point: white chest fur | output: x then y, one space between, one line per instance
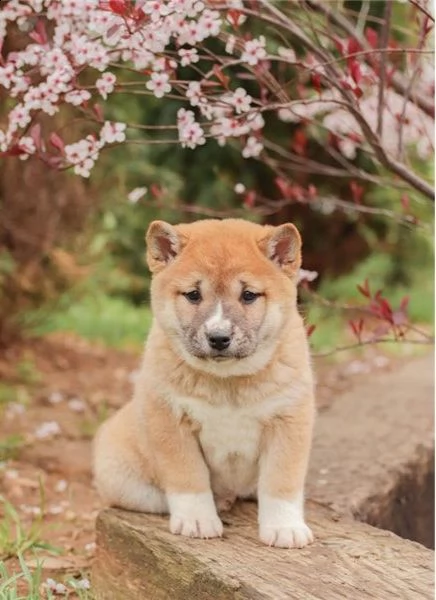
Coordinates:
230 438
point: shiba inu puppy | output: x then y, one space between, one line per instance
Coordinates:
224 405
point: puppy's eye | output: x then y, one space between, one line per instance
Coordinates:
194 297
248 297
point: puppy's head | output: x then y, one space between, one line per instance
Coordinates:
223 291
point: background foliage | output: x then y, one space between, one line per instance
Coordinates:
72 252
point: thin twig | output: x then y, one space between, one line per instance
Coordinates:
384 39
371 343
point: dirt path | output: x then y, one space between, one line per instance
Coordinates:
54 392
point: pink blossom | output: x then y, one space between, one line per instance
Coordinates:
105 85
188 56
113 132
230 44
158 84
83 155
240 100
191 133
240 188
135 195
184 117
254 51
193 93
252 149
19 117
77 97
27 146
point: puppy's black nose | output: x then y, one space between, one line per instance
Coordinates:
218 342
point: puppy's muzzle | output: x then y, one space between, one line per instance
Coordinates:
218 341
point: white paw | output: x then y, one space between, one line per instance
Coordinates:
296 535
194 515
198 528
281 522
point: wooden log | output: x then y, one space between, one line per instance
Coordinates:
139 559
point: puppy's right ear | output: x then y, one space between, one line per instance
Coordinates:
163 245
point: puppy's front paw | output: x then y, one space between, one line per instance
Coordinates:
196 527
281 522
295 535
194 515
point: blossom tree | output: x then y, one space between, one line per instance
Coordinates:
361 87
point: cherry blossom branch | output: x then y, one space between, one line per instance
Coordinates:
387 161
397 80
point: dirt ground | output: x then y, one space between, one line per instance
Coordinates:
54 392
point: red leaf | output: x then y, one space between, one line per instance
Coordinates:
98 112
404 303
118 6
364 289
249 198
356 327
316 82
356 192
310 329
312 191
405 202
385 309
139 15
234 16
39 34
299 143
353 46
371 37
355 71
156 190
223 79
14 150
56 141
283 186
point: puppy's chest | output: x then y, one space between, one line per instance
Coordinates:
229 436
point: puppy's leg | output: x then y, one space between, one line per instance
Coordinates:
282 473
182 472
121 474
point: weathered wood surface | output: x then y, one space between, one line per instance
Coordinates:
139 559
373 459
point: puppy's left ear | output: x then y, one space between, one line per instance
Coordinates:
164 243
282 245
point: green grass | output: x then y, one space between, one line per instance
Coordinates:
10 447
15 538
110 320
28 584
12 583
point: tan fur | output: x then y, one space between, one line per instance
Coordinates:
202 430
